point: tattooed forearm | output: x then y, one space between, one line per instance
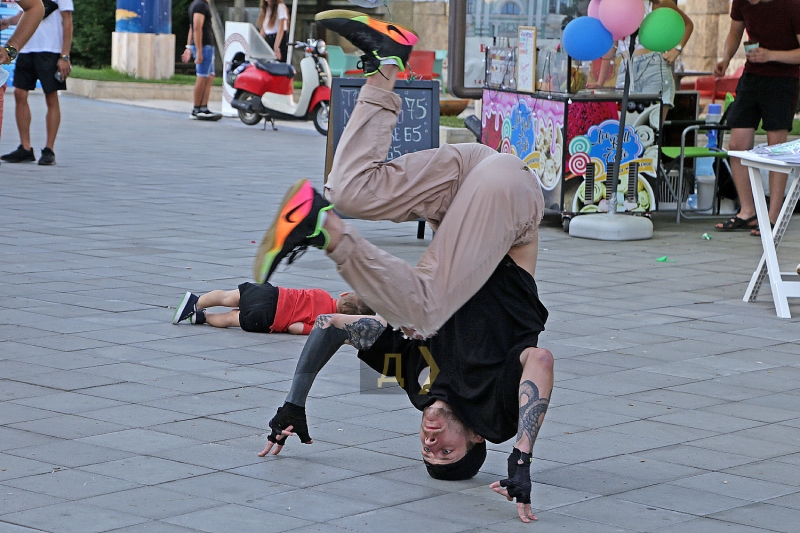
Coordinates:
531 410
363 333
322 321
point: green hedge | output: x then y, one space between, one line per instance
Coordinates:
94 21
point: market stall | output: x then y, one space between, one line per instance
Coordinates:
567 134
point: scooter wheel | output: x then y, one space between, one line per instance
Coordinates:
321 117
251 119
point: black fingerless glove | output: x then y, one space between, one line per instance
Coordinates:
289 415
518 483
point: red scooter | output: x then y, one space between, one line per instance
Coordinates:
264 89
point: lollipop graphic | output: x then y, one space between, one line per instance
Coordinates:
507 128
580 144
578 162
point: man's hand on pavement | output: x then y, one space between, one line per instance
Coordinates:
198 57
277 442
289 420
186 55
720 68
518 484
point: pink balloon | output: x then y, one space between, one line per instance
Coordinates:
618 37
621 17
594 9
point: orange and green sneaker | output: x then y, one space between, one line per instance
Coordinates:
297 226
376 38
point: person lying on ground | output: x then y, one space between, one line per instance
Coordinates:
267 309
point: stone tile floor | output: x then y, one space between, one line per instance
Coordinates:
676 408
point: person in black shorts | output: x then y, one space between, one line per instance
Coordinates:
26 22
481 377
265 308
44 58
766 92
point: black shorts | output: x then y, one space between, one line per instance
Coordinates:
40 66
770 99
257 306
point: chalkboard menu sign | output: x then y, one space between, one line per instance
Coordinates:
417 125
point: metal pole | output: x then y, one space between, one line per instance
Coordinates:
292 23
611 196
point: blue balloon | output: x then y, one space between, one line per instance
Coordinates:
586 39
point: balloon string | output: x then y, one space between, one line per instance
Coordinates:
386 5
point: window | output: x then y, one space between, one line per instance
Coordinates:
510 8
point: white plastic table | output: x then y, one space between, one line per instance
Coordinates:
781 289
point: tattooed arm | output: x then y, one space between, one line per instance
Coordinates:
535 388
330 332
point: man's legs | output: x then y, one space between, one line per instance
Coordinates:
200 90
22 113
207 91
219 299
492 202
742 139
53 119
229 319
221 320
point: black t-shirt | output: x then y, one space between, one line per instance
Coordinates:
477 352
202 7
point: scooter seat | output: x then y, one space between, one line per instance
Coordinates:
276 68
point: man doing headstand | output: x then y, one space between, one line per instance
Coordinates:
482 205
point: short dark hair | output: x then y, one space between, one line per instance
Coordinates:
352 304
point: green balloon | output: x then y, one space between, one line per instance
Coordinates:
661 30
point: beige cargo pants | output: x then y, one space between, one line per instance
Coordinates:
479 202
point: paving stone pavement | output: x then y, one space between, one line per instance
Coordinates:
675 407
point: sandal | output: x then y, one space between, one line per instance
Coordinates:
735 223
757 232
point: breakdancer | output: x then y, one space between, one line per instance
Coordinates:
483 206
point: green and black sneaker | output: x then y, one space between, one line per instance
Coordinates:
376 38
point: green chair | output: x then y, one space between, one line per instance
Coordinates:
337 61
678 156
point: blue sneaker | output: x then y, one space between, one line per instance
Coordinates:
186 308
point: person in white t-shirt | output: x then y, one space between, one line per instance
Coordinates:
45 58
273 22
27 22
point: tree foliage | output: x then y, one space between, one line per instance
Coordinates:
94 21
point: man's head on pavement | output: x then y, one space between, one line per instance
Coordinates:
350 304
450 449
